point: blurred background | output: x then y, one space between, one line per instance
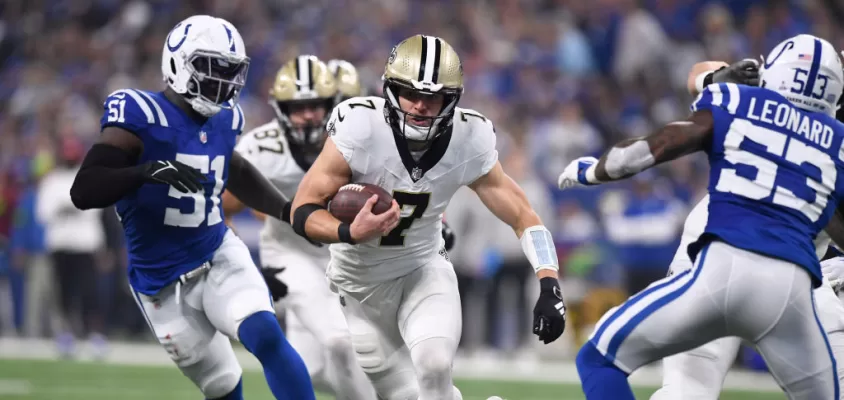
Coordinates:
559 78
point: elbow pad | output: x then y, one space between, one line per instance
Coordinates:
625 161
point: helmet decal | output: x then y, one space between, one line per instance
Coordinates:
184 36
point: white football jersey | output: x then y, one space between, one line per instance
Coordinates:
422 188
696 224
267 149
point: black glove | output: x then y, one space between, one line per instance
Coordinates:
448 236
549 314
182 177
744 72
278 289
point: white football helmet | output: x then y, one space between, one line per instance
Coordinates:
807 71
204 59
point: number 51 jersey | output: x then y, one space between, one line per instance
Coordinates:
421 184
775 174
169 233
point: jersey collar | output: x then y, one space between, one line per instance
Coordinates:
429 159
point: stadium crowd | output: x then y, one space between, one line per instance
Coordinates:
560 79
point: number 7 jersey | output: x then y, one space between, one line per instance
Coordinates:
169 232
775 174
421 184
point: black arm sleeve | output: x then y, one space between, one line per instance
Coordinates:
253 189
107 175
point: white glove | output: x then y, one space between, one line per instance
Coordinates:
833 270
575 173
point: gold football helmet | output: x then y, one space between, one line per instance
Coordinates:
348 81
304 83
424 66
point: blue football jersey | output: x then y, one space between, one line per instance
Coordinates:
775 173
169 232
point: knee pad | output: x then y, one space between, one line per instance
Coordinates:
221 386
433 360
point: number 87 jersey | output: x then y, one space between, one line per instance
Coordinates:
775 173
168 232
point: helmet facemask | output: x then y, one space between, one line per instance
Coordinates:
216 80
419 136
307 138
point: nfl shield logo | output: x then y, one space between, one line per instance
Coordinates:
203 137
416 174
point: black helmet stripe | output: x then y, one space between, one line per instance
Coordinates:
423 61
437 49
429 63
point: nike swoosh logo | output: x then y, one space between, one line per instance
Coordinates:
167 166
340 117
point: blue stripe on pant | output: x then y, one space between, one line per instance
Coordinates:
143 310
621 334
828 349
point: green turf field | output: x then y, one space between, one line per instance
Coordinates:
66 380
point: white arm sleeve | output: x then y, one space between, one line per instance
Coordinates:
623 161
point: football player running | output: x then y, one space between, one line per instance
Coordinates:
396 283
698 374
302 95
775 167
163 159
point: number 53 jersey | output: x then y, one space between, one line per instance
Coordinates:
169 233
775 174
422 184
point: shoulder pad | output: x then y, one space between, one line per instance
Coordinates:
133 110
726 96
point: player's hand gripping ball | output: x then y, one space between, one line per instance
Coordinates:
350 199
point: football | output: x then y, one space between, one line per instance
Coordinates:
350 199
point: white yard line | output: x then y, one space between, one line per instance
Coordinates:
123 353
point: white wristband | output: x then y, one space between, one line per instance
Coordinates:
699 80
538 246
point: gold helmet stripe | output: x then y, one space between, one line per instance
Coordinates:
429 64
304 74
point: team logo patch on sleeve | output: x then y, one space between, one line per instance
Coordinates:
331 129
